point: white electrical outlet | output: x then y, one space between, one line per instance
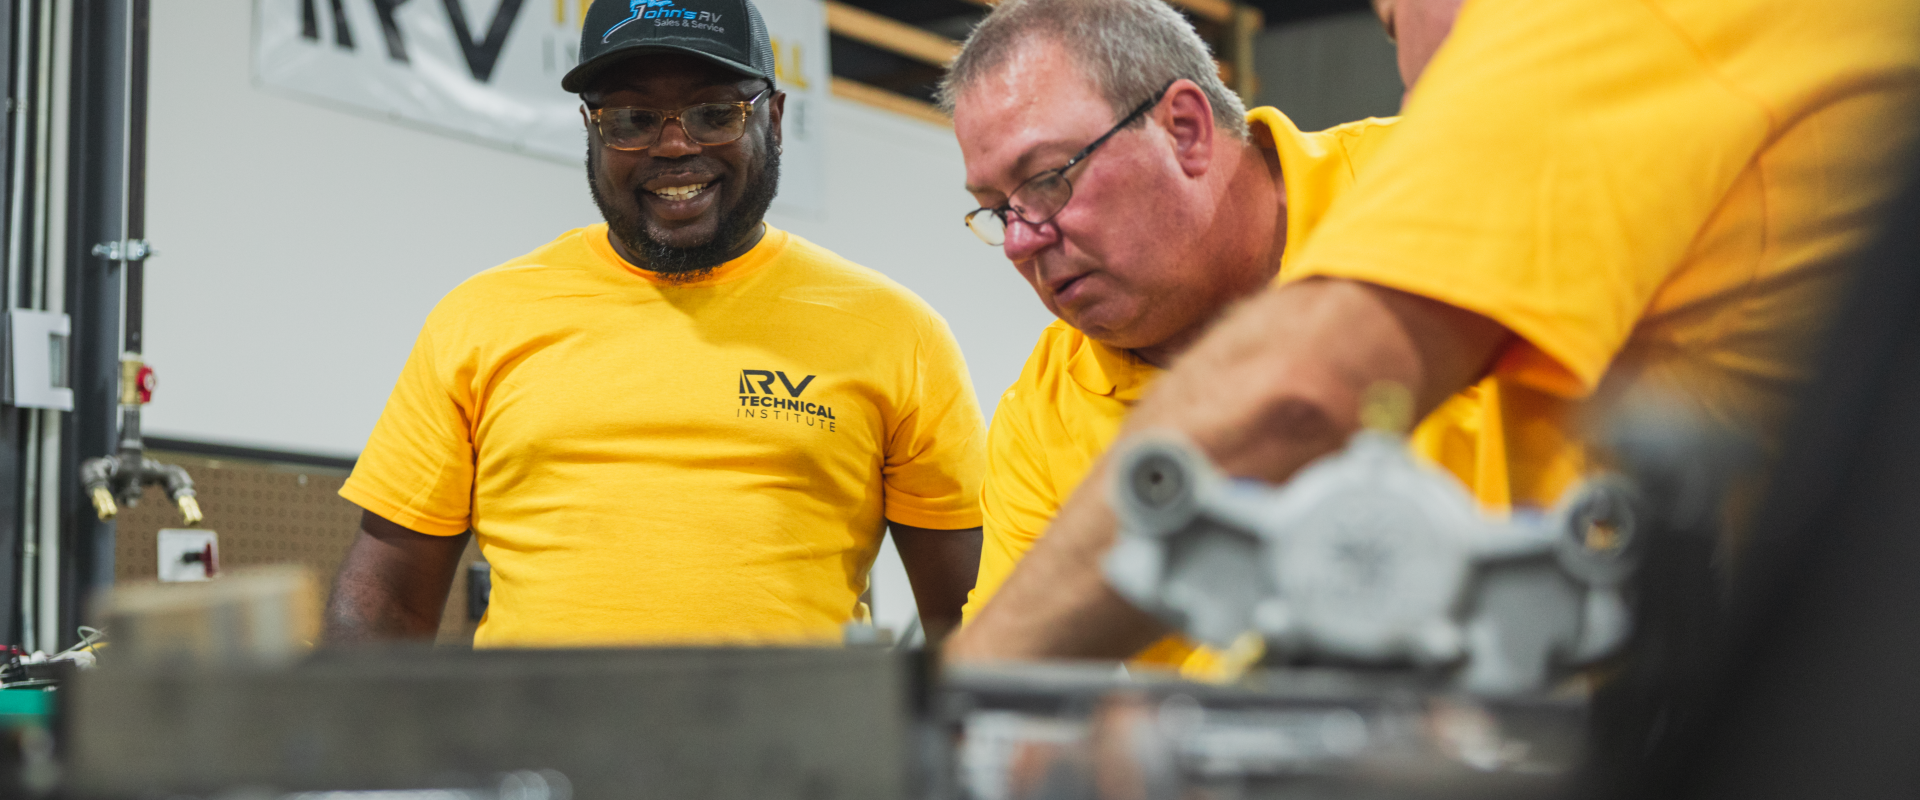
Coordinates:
188 554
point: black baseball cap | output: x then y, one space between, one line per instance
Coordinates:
725 32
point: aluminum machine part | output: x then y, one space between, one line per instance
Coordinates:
1368 557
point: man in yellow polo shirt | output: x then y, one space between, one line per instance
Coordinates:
681 425
1144 239
1583 198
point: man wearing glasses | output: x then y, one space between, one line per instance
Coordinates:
1137 234
1585 200
681 425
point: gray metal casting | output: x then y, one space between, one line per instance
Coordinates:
1368 556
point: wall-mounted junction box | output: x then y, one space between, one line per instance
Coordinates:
188 554
37 377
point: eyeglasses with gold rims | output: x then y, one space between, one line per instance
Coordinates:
1040 197
706 124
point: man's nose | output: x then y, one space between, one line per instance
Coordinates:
1024 239
674 141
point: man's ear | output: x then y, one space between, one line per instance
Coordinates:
776 111
593 131
1187 118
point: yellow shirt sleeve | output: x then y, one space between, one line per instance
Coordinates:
1016 503
417 469
1548 176
936 448
1033 463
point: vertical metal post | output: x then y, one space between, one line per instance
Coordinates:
12 428
49 291
106 179
22 179
33 215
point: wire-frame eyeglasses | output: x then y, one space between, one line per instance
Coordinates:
1040 197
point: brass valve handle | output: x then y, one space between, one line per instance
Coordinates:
190 510
103 503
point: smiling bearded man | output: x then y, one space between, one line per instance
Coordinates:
683 425
739 221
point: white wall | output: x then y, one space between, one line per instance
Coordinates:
301 246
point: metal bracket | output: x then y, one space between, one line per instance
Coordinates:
124 250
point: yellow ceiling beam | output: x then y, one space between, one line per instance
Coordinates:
890 34
925 46
889 101
1216 10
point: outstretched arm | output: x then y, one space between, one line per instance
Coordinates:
1274 386
942 566
393 584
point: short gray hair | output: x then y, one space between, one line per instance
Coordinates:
1129 48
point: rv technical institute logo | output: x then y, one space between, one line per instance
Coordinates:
760 400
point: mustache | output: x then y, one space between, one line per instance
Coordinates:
737 218
700 164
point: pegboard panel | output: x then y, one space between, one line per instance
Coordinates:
265 513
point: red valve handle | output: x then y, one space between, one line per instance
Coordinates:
144 384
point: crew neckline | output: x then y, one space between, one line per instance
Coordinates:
771 245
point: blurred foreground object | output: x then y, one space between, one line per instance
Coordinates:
718 724
1080 732
263 615
29 686
1410 639
1368 557
27 766
1807 688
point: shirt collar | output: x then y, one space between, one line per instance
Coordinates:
1314 166
1109 371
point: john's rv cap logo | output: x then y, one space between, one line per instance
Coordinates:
660 10
727 33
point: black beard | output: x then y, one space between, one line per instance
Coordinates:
688 264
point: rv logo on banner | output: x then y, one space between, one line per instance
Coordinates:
489 70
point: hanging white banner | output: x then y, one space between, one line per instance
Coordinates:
490 70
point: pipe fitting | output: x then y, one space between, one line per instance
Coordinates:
118 480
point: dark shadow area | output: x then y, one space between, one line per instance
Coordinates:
1813 693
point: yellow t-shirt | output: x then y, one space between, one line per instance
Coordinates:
1649 193
1074 392
648 462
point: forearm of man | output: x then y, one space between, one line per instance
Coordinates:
1277 384
942 566
392 585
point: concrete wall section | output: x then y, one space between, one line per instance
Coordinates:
1329 70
